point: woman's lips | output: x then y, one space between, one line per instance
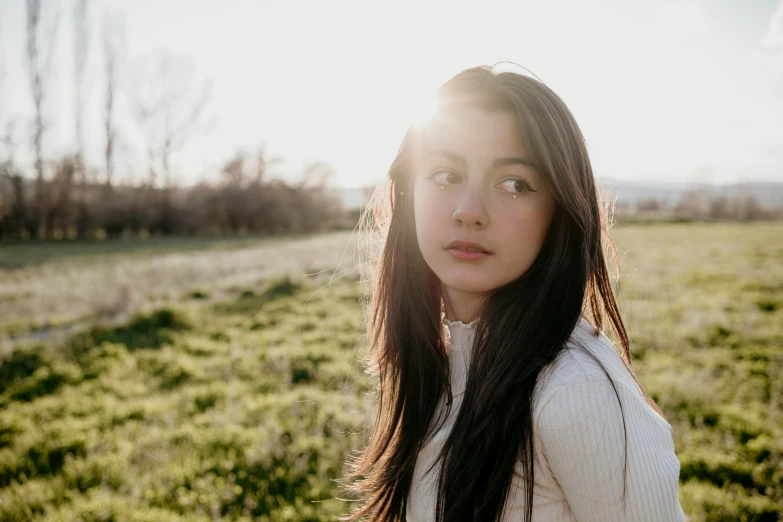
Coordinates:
467 255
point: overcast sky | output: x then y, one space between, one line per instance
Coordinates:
663 91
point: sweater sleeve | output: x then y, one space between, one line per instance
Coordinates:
580 427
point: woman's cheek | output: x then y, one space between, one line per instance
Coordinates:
430 206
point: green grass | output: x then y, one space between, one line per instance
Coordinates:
244 407
702 305
241 410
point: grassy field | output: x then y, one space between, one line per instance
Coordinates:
228 391
75 285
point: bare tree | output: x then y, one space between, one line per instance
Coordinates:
3 75
178 131
39 69
71 210
169 105
112 49
7 192
80 40
3 97
13 213
319 174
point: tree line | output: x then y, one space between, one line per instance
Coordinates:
243 201
70 199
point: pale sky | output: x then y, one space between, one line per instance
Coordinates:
688 90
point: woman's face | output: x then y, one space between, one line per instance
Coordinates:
474 182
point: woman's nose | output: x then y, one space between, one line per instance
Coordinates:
470 211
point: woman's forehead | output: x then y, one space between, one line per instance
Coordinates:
474 130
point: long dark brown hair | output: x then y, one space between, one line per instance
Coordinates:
522 327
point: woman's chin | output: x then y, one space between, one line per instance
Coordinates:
467 283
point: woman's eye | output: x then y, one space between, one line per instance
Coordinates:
516 186
445 177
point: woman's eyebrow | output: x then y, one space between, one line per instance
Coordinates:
502 162
499 162
451 156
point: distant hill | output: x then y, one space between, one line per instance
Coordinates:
768 194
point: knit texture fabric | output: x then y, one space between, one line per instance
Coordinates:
578 441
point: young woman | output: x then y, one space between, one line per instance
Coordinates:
499 397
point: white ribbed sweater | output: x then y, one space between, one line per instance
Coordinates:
578 441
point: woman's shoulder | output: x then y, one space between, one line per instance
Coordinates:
576 377
577 360
591 433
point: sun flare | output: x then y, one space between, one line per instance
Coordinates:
423 109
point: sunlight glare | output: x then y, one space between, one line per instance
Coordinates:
423 109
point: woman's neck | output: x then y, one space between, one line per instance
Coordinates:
460 306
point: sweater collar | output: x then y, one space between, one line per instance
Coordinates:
449 323
459 335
